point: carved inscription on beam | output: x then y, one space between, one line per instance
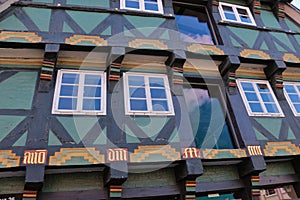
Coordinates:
35 157
116 154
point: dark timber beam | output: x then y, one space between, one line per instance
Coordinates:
49 62
274 74
34 179
227 69
113 63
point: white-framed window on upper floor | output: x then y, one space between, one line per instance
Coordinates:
292 95
236 13
259 98
154 6
79 92
147 94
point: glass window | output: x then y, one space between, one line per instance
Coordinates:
235 13
79 92
193 23
292 94
259 98
143 5
207 116
147 94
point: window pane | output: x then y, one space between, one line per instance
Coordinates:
272 108
251 96
156 82
256 107
90 91
92 79
137 92
136 80
297 107
294 98
262 87
151 7
244 15
68 90
298 87
67 103
158 93
132 4
228 12
289 89
158 105
70 78
138 105
267 97
91 104
153 1
247 86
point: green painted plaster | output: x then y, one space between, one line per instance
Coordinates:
87 20
174 136
8 123
12 23
162 177
73 182
297 38
278 168
218 173
291 135
146 25
283 38
247 35
128 33
53 140
78 126
12 185
21 141
219 197
264 46
18 91
259 136
40 16
269 19
67 28
102 138
107 31
292 25
92 3
165 35
150 125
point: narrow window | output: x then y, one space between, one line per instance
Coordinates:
292 94
259 98
147 94
154 6
79 92
235 13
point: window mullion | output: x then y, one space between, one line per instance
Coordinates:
148 94
236 13
142 4
80 91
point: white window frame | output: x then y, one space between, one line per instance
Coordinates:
246 103
81 85
236 13
150 111
294 84
142 6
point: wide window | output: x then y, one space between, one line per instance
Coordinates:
79 92
208 116
292 94
193 23
147 94
154 6
259 98
235 13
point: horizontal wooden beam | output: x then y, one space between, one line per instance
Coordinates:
207 187
84 194
172 190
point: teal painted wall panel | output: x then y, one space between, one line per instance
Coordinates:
12 23
40 16
17 92
269 19
283 38
87 20
93 3
43 1
292 25
247 35
218 173
8 123
278 168
73 182
146 25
